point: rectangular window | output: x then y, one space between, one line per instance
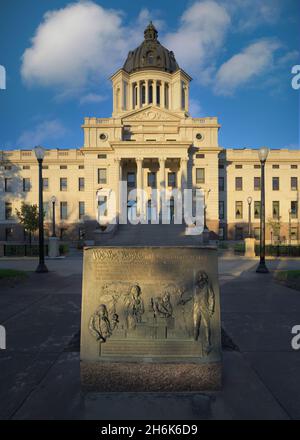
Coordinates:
239 184
8 211
257 167
239 167
26 184
63 210
81 167
294 209
221 210
63 167
152 180
26 167
238 210
172 180
8 167
63 184
294 183
102 156
45 167
200 175
81 184
102 175
8 234
81 209
8 184
275 167
45 184
221 184
294 167
102 206
257 209
200 156
276 209
294 234
256 183
275 183
131 180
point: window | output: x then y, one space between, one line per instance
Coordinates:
102 156
150 93
45 184
238 210
183 97
200 175
63 167
275 167
256 183
125 95
294 234
257 167
152 180
81 167
221 184
294 209
239 167
81 184
239 233
275 183
200 156
8 167
157 93
102 175
143 94
63 210
131 180
294 167
276 209
8 233
239 184
63 184
102 206
26 184
294 183
45 167
172 180
81 209
26 167
256 233
8 184
257 209
166 96
8 211
221 210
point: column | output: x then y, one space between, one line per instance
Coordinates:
138 84
183 173
146 92
162 94
154 85
161 184
139 181
119 179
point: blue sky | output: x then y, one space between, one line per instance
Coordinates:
59 55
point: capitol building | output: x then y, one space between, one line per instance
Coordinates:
151 142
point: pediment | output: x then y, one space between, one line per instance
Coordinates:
149 114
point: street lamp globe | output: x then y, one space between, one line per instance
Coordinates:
53 199
263 153
39 152
249 200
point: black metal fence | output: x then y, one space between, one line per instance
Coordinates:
22 250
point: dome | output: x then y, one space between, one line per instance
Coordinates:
150 55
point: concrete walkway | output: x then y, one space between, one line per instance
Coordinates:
40 368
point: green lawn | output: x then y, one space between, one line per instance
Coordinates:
12 273
287 275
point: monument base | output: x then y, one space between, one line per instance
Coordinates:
53 251
150 377
250 247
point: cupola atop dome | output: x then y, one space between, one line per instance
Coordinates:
150 54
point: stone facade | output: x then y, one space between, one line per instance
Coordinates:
151 141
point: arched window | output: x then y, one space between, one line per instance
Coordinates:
158 93
118 98
143 94
150 57
183 95
166 95
150 93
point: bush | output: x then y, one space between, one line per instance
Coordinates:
239 248
63 249
22 250
223 245
280 251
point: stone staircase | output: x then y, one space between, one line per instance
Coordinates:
150 235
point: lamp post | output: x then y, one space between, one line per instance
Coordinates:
41 268
53 201
206 194
249 200
262 268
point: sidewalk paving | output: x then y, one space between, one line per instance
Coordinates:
40 368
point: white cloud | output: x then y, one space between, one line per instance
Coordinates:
245 66
250 14
43 132
73 43
92 98
201 34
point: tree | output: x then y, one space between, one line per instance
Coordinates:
29 218
275 225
